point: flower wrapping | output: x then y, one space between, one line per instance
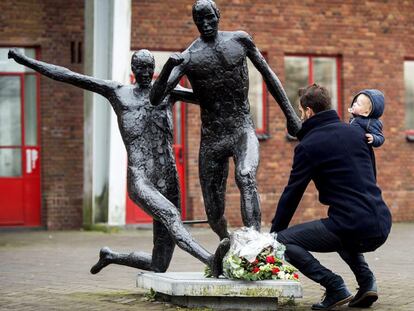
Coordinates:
256 256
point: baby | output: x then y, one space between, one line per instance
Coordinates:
367 107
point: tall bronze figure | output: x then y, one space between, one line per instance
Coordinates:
152 179
216 66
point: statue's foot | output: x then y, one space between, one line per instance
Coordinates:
105 256
217 261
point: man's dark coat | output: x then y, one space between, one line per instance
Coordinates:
337 158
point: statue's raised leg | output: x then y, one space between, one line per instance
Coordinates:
159 261
144 194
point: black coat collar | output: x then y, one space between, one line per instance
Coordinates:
319 119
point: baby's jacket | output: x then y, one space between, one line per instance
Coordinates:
372 124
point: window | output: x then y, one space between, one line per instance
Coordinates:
409 94
409 99
18 115
301 71
257 99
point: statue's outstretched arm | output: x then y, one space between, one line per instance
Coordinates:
62 74
168 79
184 94
273 84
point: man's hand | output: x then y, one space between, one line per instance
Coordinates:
370 138
13 53
176 59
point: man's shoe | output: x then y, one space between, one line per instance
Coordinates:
333 298
365 296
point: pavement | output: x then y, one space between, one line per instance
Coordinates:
48 270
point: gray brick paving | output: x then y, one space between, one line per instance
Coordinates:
42 270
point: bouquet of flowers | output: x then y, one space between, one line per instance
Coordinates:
257 256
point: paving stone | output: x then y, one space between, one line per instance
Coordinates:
42 270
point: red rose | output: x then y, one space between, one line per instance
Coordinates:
296 276
255 262
270 259
256 269
275 270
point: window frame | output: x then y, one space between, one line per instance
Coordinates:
23 147
338 59
409 132
263 132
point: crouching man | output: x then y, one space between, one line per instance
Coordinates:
337 158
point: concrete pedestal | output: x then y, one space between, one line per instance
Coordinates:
192 289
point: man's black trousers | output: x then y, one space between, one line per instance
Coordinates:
313 236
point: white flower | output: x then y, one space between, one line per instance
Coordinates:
281 275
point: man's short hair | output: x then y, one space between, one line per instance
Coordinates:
315 97
198 3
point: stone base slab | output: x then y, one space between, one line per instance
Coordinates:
192 289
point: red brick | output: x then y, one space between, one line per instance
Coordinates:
372 37
51 25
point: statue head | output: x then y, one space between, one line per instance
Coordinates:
206 16
142 65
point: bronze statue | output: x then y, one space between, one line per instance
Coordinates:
152 179
216 67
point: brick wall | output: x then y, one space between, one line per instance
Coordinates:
51 25
372 38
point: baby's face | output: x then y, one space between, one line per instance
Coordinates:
362 106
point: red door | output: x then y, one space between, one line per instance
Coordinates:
135 215
19 145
